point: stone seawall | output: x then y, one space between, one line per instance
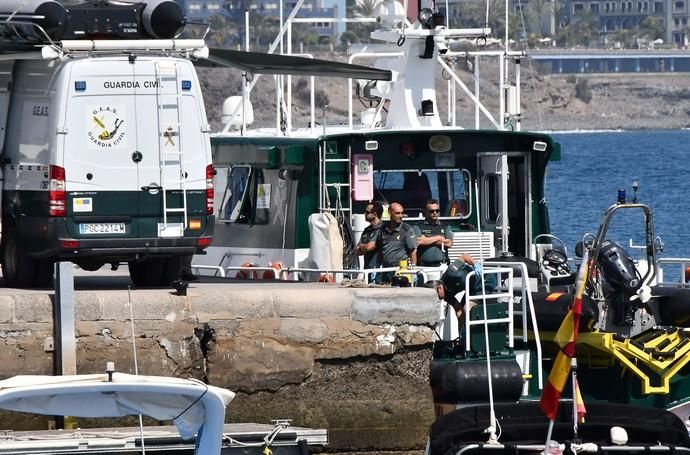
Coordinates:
352 360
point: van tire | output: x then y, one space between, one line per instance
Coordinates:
45 269
18 269
172 268
146 273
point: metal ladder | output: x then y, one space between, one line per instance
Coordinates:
171 155
343 202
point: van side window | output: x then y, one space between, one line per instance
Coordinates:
236 204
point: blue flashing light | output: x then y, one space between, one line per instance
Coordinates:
80 86
621 196
186 85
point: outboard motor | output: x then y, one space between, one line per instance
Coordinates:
619 272
618 268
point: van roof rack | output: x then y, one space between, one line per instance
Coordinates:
189 48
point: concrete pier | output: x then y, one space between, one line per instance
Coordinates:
352 360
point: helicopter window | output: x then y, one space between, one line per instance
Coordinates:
413 187
235 205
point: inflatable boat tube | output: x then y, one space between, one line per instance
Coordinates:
674 305
551 307
466 381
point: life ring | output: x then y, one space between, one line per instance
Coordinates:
326 278
280 273
246 274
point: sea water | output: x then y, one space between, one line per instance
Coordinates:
595 165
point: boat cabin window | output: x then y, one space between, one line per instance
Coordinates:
413 187
234 205
493 196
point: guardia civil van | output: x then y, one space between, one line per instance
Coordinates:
105 142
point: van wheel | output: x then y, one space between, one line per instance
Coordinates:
172 267
146 273
18 269
44 273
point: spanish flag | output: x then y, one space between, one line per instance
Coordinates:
566 338
579 404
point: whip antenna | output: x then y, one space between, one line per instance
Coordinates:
136 364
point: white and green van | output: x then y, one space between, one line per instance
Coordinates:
106 159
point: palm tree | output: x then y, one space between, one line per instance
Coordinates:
257 22
473 14
542 15
622 36
584 29
364 8
218 29
651 27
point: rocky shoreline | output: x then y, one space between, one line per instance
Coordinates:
549 102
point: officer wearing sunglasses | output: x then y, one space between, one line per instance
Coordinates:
433 237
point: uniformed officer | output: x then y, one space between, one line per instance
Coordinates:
397 242
370 235
433 237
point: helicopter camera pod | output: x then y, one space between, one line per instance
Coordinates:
163 19
49 15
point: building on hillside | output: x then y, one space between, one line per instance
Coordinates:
234 10
612 15
615 15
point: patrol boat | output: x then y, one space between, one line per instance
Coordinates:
615 339
271 180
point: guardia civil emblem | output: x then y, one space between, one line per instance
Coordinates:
107 127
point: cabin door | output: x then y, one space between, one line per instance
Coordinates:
504 205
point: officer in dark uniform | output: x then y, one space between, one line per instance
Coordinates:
397 242
433 237
370 235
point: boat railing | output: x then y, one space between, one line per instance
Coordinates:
255 268
677 276
507 293
364 274
323 273
508 115
572 447
216 268
351 59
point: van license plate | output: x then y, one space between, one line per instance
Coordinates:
102 228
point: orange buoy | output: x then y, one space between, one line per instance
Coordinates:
326 278
247 274
280 273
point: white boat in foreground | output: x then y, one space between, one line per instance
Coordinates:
197 411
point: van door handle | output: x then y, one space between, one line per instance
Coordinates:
152 187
